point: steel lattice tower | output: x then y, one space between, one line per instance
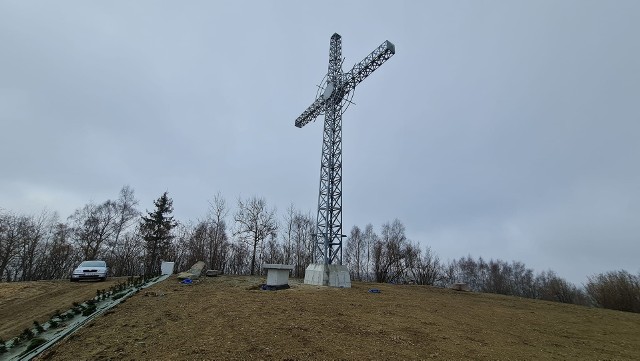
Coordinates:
332 99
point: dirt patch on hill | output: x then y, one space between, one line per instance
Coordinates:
21 303
229 318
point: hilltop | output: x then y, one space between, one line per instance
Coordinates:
228 317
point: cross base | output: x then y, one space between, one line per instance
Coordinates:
332 275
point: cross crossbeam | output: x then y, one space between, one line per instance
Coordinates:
349 81
330 102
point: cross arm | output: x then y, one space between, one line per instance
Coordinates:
368 65
311 113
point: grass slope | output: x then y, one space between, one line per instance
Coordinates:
228 318
21 303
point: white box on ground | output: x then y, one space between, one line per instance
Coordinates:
277 274
166 268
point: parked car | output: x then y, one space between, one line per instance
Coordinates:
90 270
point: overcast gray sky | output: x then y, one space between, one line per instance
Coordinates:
501 129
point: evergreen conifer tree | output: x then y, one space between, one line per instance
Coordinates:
156 232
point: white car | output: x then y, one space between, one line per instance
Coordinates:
90 270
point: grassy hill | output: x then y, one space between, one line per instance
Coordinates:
229 318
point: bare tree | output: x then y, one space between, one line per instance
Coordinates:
523 280
93 227
128 255
57 256
288 235
198 242
207 240
178 251
499 278
370 240
238 256
389 253
34 233
34 247
9 242
217 233
356 251
30 237
123 255
425 268
469 272
551 287
126 212
272 252
616 290
303 227
449 274
255 222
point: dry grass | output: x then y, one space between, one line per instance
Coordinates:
227 318
21 303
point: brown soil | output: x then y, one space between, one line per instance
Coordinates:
21 303
229 318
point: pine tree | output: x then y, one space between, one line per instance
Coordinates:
156 233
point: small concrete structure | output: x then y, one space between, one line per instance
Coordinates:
277 274
333 275
460 287
166 268
194 273
213 273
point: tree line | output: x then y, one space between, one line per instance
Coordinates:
44 246
391 257
239 241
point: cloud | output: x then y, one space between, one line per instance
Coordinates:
500 130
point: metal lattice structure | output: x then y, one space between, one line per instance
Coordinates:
332 100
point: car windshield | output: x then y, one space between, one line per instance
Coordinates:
93 264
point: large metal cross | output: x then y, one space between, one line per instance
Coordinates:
331 100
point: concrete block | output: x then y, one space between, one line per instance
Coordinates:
193 273
197 269
166 268
460 287
277 266
332 275
184 275
213 273
277 274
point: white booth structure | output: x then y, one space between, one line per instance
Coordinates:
166 268
277 274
